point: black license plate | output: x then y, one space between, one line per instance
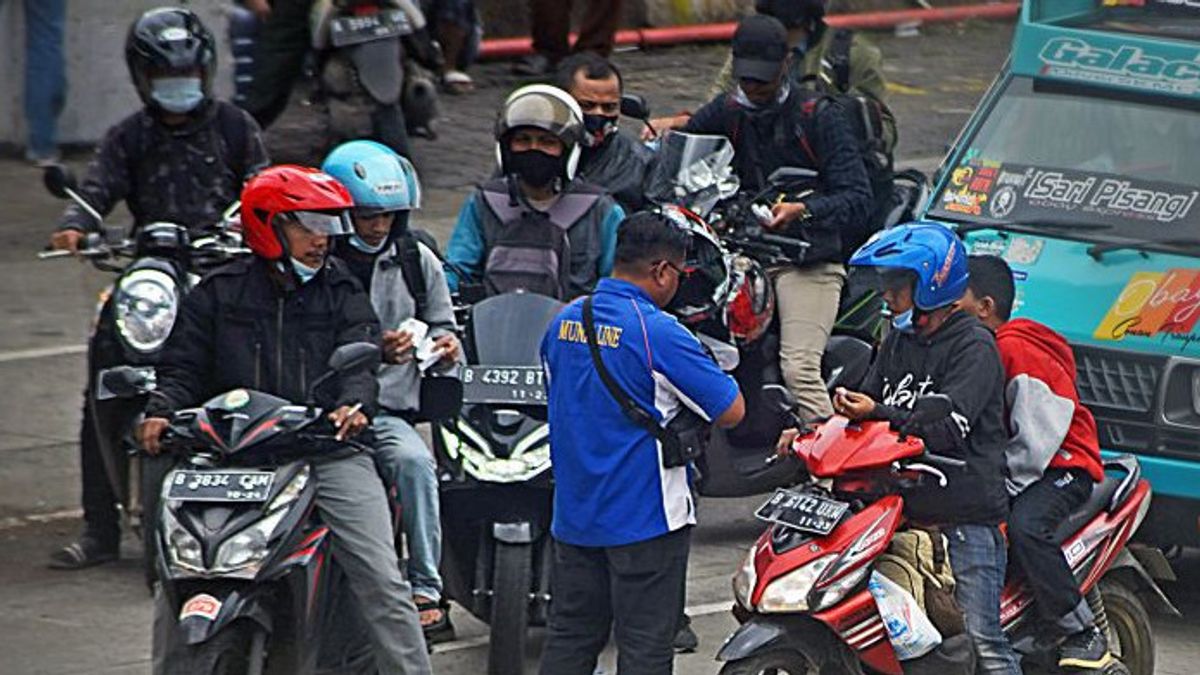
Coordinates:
520 385
220 486
351 30
803 511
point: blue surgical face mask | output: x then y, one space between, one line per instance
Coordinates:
304 272
177 94
360 244
903 321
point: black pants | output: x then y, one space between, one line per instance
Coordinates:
634 591
100 515
1036 514
283 41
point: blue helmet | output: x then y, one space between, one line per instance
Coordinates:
379 180
930 250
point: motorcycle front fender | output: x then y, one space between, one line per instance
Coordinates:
200 627
763 633
379 69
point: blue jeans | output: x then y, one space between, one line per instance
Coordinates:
978 558
45 73
407 465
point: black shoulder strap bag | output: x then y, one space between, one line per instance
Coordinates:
683 439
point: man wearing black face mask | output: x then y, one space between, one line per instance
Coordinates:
609 159
535 227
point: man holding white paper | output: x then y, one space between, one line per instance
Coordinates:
409 293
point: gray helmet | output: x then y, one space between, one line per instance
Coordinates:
543 107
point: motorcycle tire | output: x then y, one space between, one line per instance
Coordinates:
227 653
510 608
778 662
1130 637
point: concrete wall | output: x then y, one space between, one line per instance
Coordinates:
98 88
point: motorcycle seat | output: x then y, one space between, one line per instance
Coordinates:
1102 494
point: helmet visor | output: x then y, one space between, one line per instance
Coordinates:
542 112
330 223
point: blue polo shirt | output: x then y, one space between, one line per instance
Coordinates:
610 486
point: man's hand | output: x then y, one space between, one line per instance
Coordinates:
783 447
786 212
660 125
853 404
66 240
150 433
449 346
261 8
349 421
397 346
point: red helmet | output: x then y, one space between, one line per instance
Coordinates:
751 304
290 189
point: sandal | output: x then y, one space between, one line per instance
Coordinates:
457 82
439 630
87 552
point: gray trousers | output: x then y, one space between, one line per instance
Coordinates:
353 504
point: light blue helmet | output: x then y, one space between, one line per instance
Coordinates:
378 179
932 251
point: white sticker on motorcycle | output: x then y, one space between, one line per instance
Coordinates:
203 605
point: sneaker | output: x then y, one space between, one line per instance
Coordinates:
534 65
41 160
1085 650
686 640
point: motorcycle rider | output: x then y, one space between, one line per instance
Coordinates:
1053 458
270 322
609 158
934 348
384 256
536 227
774 124
182 158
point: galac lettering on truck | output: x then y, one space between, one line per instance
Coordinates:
1080 167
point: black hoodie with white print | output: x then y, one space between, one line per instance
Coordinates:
961 361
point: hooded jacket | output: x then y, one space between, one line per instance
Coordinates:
1040 370
961 361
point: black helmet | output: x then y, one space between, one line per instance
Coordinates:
169 39
793 13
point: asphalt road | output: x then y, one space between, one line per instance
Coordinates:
96 621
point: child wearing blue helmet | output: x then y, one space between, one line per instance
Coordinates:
934 348
405 281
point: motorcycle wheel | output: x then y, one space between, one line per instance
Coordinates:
771 663
510 608
1129 635
227 653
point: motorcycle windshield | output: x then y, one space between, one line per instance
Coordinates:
693 171
507 329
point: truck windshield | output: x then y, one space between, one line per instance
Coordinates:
1126 170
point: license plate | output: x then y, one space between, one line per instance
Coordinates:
803 511
350 30
521 385
220 486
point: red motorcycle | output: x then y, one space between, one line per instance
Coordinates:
801 591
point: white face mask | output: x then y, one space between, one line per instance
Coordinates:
361 244
177 94
304 272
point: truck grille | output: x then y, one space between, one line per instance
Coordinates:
1118 381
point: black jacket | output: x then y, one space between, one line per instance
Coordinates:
806 130
248 325
621 167
961 361
187 175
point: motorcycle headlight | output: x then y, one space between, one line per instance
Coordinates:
789 593
183 549
244 551
744 580
146 303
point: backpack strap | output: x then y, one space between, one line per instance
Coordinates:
809 110
409 256
839 58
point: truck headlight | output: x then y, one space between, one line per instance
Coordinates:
146 303
1181 396
789 593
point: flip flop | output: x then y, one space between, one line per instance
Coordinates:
438 631
80 554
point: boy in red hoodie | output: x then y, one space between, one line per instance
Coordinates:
1053 456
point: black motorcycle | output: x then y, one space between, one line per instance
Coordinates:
495 479
248 570
154 270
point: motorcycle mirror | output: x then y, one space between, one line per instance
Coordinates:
58 179
931 408
344 359
635 106
786 175
124 381
778 398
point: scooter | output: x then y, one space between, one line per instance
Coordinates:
154 270
495 479
801 591
369 81
249 572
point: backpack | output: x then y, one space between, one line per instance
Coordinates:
916 560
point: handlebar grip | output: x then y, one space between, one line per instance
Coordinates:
945 461
49 254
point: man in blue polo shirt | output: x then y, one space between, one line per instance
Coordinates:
621 519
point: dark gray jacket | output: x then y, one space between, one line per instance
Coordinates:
620 166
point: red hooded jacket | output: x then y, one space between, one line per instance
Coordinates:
1030 348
